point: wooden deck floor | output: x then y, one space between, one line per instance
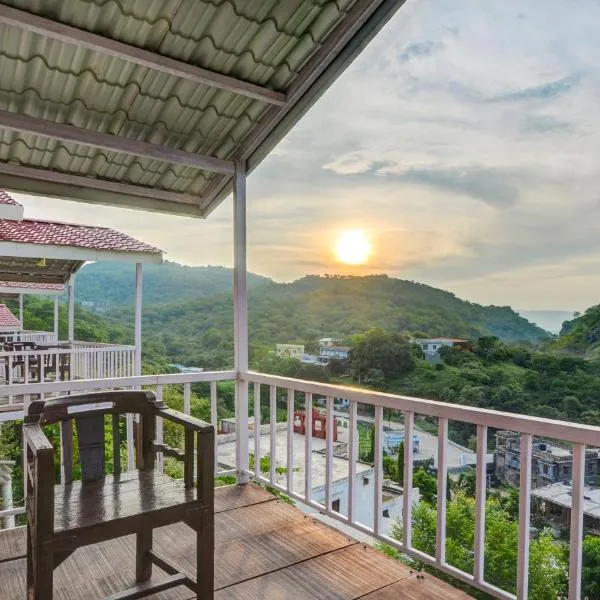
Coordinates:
265 550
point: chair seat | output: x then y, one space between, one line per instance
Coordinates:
126 500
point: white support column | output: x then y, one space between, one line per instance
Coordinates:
137 367
56 317
240 318
71 292
21 310
138 319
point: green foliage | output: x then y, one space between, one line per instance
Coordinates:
427 485
548 558
265 465
591 567
378 355
113 282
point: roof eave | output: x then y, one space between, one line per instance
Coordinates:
294 111
20 250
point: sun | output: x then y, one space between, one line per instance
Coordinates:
353 247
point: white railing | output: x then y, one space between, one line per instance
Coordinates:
152 382
79 360
304 489
39 337
577 435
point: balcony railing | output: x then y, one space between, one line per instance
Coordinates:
78 360
39 337
300 484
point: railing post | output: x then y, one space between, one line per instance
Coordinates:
56 318
524 516
576 542
71 295
240 309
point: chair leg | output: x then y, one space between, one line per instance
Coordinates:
40 571
143 559
205 557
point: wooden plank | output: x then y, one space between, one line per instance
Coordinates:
423 587
252 541
13 543
351 572
236 496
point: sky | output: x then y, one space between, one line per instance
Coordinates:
463 141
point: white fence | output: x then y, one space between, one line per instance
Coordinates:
578 436
39 337
80 360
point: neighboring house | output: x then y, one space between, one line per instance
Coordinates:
553 502
290 351
552 462
393 439
336 352
434 344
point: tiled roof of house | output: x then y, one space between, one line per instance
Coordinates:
50 233
6 199
7 319
51 287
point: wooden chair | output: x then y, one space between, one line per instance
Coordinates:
62 518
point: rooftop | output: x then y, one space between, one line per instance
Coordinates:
562 494
8 321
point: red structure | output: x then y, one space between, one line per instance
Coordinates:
319 424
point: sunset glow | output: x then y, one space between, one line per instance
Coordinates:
353 247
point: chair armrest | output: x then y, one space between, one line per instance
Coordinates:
36 439
185 420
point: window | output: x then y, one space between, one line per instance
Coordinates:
365 481
335 506
386 513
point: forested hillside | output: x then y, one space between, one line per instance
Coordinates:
114 283
582 334
199 331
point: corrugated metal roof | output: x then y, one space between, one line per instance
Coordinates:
270 43
7 200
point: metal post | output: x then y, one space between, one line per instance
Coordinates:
71 292
56 318
240 308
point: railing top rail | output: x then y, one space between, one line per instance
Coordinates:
73 385
65 350
550 428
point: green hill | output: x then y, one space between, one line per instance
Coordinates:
114 283
199 331
581 335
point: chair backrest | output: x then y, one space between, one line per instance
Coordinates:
88 412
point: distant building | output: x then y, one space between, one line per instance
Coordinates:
553 502
290 351
336 352
551 463
393 439
328 341
434 344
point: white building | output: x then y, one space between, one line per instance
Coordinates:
290 351
434 344
365 476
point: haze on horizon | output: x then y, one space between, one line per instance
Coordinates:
463 141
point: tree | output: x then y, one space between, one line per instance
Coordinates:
548 573
388 352
591 567
427 485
